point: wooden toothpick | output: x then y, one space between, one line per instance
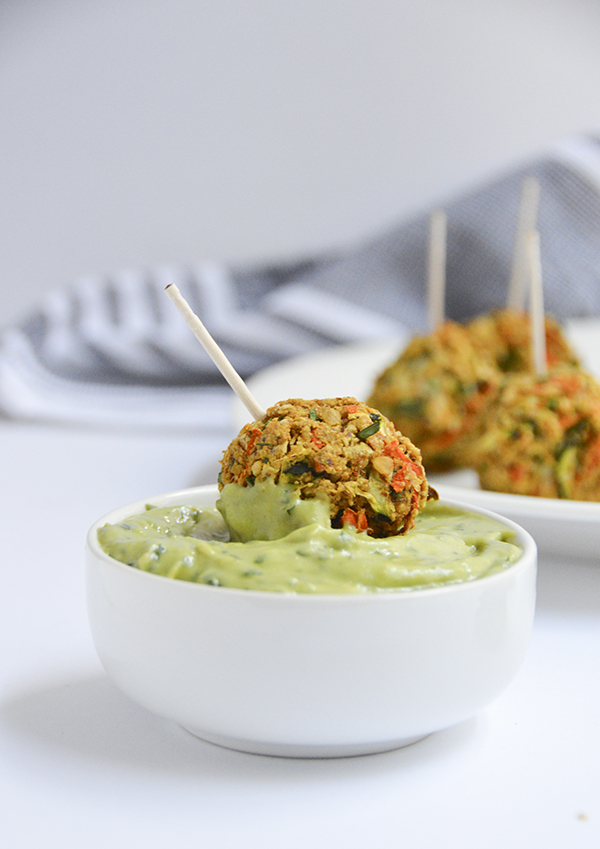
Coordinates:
215 353
437 268
536 305
526 222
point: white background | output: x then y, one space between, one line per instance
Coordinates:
137 132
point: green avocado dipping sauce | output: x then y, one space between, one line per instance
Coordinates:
265 538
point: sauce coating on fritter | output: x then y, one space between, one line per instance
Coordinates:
542 437
436 392
337 448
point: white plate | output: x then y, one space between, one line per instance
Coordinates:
561 527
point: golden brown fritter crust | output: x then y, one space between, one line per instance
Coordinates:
504 338
543 437
337 447
436 393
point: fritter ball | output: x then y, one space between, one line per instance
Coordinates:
543 437
340 448
504 338
436 393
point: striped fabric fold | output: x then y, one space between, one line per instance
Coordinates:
111 350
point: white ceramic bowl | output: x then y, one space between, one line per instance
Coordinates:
307 675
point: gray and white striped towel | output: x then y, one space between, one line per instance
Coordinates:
113 351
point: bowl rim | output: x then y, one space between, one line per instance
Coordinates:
525 540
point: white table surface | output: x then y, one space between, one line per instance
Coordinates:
83 766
